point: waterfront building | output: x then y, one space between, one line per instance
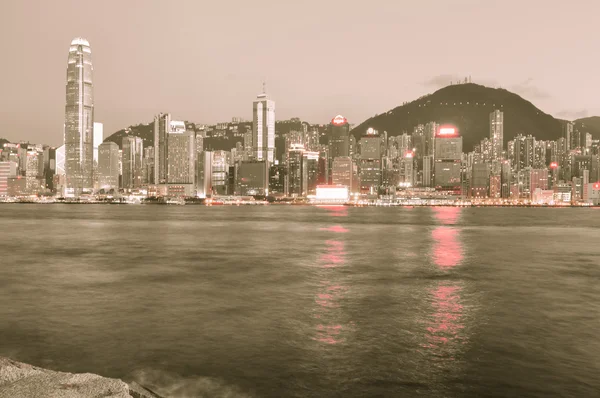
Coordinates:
98 139
79 119
497 134
132 155
204 175
370 162
310 172
252 178
8 170
339 137
293 182
448 155
108 166
263 128
342 172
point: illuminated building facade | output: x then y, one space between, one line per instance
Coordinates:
108 166
181 154
8 170
339 137
370 161
448 155
79 119
252 178
293 181
263 128
497 134
132 155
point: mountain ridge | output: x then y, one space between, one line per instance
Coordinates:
468 106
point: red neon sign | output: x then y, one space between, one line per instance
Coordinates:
553 165
447 131
339 120
408 154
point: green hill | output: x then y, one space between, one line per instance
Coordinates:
589 125
468 107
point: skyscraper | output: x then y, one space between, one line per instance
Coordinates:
162 123
132 162
108 165
79 119
497 133
263 128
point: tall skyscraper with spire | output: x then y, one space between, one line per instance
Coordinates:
263 128
79 119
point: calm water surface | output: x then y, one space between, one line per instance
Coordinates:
279 301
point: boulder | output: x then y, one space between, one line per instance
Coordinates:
22 380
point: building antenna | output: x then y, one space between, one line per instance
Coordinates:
264 86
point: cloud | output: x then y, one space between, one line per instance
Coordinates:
572 115
529 90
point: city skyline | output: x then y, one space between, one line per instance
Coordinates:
562 88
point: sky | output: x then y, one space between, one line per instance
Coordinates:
205 61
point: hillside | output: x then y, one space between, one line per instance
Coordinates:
468 107
144 131
3 141
589 125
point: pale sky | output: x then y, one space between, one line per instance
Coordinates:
205 61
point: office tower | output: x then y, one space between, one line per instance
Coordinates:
132 152
404 144
98 138
310 172
162 124
32 172
108 166
312 140
339 137
252 178
181 156
248 144
480 180
277 179
352 147
148 166
429 133
341 172
8 170
370 161
263 128
427 170
567 134
204 175
220 172
293 182
79 119
497 134
448 154
406 169
324 177
505 179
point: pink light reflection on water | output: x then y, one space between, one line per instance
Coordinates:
447 248
443 332
328 330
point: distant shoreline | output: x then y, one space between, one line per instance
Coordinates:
305 204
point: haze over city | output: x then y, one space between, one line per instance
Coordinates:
205 62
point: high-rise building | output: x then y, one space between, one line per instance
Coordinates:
448 155
293 182
79 119
181 154
108 166
220 172
32 172
132 152
341 172
162 125
253 178
339 137
567 134
370 161
98 138
310 172
204 175
8 170
263 128
497 133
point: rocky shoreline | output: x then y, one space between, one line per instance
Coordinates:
22 380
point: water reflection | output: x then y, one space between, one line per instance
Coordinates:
444 336
329 328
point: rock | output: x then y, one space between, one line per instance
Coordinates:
21 380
